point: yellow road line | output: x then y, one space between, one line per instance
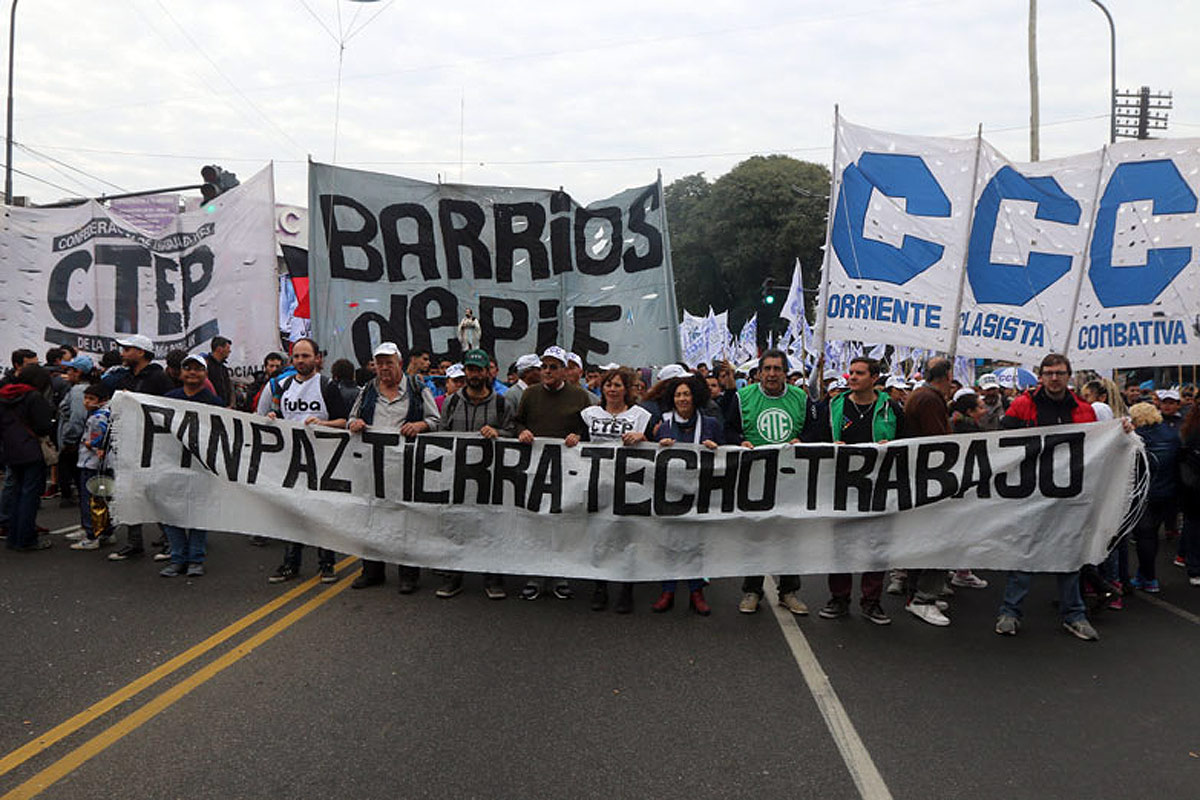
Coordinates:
105 739
92 712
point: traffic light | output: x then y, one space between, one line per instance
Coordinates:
216 182
768 291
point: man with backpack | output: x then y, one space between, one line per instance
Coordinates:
392 401
306 396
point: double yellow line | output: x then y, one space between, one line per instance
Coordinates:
101 741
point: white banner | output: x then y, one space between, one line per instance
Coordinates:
398 259
1035 499
1096 256
898 237
86 276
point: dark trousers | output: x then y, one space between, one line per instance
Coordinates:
294 552
1145 535
68 472
1189 544
29 481
374 570
754 583
840 585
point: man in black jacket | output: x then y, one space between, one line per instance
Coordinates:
25 415
144 377
218 373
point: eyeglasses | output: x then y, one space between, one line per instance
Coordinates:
1055 373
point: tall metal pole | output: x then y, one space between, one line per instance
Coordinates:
1112 68
12 35
1034 121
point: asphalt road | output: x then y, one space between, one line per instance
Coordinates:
338 692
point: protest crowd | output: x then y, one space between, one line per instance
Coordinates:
54 426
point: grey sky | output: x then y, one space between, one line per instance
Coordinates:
591 97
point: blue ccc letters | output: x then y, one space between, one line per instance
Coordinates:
895 176
1009 284
908 176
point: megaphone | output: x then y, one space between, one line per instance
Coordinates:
101 486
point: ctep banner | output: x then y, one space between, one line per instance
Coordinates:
402 260
1041 499
946 244
87 276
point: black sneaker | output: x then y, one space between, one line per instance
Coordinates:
364 581
624 604
327 574
563 590
836 607
126 553
451 585
284 573
875 613
531 591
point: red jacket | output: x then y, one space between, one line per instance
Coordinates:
1024 408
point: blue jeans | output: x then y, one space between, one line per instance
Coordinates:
188 545
8 496
21 504
1116 566
694 584
1070 601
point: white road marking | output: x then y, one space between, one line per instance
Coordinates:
68 529
858 761
1174 609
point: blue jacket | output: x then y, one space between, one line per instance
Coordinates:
710 428
1162 446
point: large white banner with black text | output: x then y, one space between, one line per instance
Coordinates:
1036 499
87 276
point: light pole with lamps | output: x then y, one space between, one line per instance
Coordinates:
1112 66
12 32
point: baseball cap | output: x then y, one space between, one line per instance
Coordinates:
456 371
528 362
386 349
963 392
575 359
839 383
1168 394
557 353
671 371
988 381
195 358
81 363
478 358
610 365
831 375
896 382
139 341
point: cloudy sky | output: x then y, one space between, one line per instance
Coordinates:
134 94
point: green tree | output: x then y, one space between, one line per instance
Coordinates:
750 224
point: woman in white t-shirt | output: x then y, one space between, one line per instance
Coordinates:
1094 392
619 421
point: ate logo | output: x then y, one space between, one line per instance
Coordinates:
775 426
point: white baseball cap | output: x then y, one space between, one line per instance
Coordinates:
896 382
839 383
386 349
557 353
988 381
610 365
575 359
139 341
197 358
672 371
1168 394
456 371
528 362
963 392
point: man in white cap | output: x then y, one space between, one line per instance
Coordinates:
393 401
145 377
993 402
575 375
551 409
897 388
1168 406
529 373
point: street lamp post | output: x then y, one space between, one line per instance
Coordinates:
12 34
1112 67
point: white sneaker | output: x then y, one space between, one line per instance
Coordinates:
968 581
928 612
75 536
86 544
793 604
1194 580
164 556
749 603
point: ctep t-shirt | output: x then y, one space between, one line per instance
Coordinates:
605 427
